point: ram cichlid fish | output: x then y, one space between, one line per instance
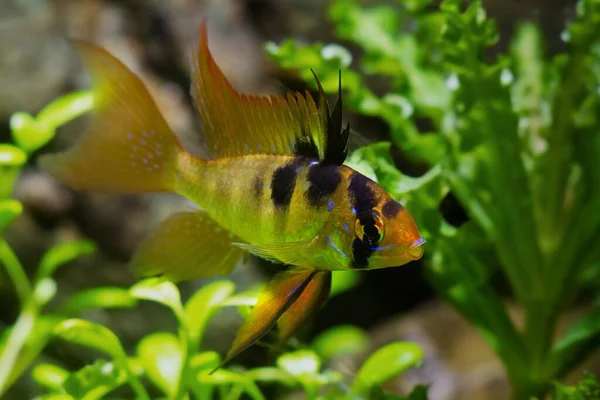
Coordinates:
276 187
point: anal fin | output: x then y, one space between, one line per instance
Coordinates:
277 297
188 245
313 297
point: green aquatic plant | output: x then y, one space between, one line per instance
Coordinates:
21 343
177 365
513 137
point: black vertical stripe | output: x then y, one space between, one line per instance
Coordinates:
282 185
361 194
283 181
324 179
391 208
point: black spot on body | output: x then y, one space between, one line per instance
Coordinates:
324 179
361 252
391 208
282 185
362 196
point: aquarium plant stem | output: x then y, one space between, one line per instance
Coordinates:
16 339
15 272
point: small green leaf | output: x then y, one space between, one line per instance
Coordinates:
11 161
586 389
94 381
226 377
65 109
205 360
299 362
9 211
50 376
160 291
162 358
33 133
11 156
387 362
90 335
102 297
54 396
340 340
63 254
44 290
203 305
271 374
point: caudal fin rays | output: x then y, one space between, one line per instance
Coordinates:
129 147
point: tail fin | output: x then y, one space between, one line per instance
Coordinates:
129 148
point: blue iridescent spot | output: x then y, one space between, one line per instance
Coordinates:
354 210
334 247
346 228
330 206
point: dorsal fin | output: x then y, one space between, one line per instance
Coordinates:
237 124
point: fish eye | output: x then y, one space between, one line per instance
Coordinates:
369 227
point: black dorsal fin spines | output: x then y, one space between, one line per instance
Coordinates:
336 141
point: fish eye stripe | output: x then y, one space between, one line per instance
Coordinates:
361 194
361 252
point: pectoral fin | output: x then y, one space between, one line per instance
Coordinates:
188 245
313 296
291 253
279 294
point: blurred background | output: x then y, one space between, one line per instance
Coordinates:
152 37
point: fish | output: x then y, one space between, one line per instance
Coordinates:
275 186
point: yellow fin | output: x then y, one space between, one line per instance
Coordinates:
129 148
292 253
188 245
313 296
279 294
236 124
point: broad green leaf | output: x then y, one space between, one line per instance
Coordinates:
102 297
90 335
160 291
63 254
94 381
340 340
50 376
203 305
299 362
386 363
9 211
162 358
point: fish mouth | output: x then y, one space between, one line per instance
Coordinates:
415 250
